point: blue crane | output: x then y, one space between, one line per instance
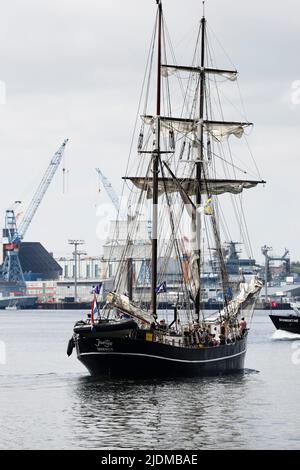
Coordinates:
41 190
11 268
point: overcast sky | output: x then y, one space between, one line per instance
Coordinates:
74 69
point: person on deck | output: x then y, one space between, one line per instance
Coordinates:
222 339
223 329
243 326
163 325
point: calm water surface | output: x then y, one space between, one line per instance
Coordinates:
48 401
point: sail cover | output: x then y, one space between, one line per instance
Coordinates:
123 303
193 274
167 70
219 130
245 299
222 130
190 185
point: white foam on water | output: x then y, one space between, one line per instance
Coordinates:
281 335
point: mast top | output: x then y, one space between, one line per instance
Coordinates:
203 9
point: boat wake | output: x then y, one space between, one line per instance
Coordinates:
281 335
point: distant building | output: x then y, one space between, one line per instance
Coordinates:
57 284
113 249
37 263
59 291
284 292
88 267
45 291
89 274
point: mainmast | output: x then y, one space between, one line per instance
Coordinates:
155 167
201 155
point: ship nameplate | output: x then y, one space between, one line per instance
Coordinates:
104 345
289 320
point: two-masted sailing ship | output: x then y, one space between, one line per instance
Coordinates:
185 169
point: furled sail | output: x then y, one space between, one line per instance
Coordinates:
219 130
123 303
185 126
222 130
167 70
193 275
242 305
190 185
245 299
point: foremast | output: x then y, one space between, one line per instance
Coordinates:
155 169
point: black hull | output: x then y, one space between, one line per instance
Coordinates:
133 358
290 323
106 329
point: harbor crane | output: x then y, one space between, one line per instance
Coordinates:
145 270
265 251
14 233
109 190
114 197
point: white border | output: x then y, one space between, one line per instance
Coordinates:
164 358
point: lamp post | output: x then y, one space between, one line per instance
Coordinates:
75 243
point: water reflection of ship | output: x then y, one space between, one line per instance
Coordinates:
160 405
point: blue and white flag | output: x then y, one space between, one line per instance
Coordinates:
161 288
96 290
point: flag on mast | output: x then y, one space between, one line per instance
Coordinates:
94 310
97 288
161 288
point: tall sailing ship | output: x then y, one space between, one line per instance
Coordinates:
185 169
